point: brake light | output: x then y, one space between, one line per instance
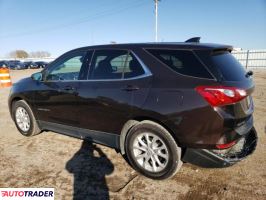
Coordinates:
221 95
225 146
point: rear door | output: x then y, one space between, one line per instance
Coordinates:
56 99
117 83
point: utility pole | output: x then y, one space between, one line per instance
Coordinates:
156 20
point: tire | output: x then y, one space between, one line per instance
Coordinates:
169 157
30 129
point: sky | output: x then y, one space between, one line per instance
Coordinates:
61 25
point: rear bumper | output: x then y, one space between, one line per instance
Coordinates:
223 158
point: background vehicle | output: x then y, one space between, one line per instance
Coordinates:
159 104
31 65
4 64
41 64
16 65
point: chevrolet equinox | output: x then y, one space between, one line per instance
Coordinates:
159 104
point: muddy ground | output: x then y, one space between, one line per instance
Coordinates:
81 170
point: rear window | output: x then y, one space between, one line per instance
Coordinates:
183 62
228 66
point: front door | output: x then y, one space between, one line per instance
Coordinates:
56 99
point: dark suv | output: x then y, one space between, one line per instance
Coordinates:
160 104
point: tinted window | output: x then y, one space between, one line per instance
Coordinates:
119 63
68 68
183 62
228 66
132 67
114 64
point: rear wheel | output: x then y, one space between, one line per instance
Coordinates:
152 150
24 118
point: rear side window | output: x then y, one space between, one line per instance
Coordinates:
108 64
228 66
183 62
132 67
114 64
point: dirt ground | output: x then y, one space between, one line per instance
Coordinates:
81 170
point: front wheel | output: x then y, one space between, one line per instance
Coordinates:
24 119
152 150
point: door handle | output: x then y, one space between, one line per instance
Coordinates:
69 88
130 88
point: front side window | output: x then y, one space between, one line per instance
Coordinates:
67 69
181 61
114 64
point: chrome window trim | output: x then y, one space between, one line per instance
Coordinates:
147 72
92 80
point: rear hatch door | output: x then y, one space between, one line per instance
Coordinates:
229 72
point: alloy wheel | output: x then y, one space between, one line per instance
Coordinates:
22 119
150 152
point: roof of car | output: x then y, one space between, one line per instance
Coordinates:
178 45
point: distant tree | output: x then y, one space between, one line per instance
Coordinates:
40 54
19 54
45 54
13 54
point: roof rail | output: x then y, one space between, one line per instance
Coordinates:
194 39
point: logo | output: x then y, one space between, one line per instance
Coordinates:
26 193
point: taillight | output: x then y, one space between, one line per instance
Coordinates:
225 146
221 95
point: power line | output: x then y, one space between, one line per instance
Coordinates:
99 15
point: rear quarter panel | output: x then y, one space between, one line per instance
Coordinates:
173 102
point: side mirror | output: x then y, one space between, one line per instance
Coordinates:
249 73
37 76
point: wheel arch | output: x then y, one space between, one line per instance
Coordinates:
19 98
132 122
12 101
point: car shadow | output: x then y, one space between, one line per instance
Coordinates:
89 167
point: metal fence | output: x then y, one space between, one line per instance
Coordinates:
251 58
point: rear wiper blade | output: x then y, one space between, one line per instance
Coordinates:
249 73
